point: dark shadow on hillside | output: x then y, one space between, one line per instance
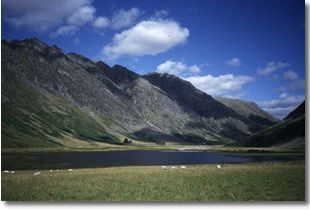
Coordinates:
104 139
196 139
151 135
189 98
280 134
257 123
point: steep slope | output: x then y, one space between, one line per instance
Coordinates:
288 133
189 97
298 112
207 113
33 117
48 94
257 117
37 66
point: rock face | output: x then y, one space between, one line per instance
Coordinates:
289 133
50 98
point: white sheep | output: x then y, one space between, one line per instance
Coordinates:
37 173
12 172
219 166
174 167
6 172
164 167
51 171
70 170
183 167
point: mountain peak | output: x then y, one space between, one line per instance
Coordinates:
34 40
128 102
102 64
26 43
79 57
117 66
165 77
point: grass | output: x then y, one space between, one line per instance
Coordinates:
33 117
245 182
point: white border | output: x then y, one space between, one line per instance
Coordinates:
199 205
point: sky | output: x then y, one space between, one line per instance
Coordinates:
246 49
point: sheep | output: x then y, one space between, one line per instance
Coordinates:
183 167
70 170
6 172
12 172
164 167
37 173
174 167
57 170
51 171
219 166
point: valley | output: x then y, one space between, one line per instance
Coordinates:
52 100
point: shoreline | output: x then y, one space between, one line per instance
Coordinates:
181 148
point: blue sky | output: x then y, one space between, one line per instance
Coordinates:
247 49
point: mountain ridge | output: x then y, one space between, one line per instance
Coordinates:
125 104
288 133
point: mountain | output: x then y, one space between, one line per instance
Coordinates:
289 133
52 98
298 112
258 118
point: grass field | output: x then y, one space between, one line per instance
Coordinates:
243 182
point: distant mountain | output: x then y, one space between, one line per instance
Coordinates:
289 133
257 117
298 112
50 98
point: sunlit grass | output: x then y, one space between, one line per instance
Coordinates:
245 182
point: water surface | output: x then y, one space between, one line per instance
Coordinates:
59 160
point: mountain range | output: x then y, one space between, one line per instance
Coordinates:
289 133
52 98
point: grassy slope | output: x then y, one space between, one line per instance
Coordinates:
251 182
246 108
35 118
281 133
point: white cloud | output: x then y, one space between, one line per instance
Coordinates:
38 14
272 67
81 16
281 89
298 84
227 85
295 82
235 62
122 18
149 37
281 106
290 75
176 68
101 22
280 112
161 13
194 69
283 95
222 85
65 30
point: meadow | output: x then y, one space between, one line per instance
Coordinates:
232 182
